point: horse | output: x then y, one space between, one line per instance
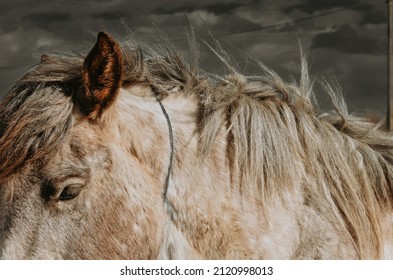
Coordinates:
132 152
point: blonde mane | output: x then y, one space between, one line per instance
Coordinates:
274 129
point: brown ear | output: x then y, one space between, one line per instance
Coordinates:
102 76
45 58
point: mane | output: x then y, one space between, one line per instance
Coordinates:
273 128
277 140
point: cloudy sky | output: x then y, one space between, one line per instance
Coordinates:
344 39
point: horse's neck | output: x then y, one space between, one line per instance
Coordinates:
143 130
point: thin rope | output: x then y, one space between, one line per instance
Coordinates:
168 175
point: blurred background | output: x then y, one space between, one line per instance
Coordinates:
344 39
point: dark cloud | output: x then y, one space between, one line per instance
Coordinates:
216 8
219 8
361 77
44 19
229 24
110 15
311 6
5 7
375 17
346 39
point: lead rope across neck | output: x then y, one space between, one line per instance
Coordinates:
167 204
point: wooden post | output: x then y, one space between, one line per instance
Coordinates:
390 66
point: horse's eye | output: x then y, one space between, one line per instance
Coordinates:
70 192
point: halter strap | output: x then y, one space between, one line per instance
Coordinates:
167 204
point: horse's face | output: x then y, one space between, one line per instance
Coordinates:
88 197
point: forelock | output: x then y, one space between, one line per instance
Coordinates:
34 120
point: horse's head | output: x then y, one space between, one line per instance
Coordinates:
75 181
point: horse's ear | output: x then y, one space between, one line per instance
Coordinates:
102 77
45 58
